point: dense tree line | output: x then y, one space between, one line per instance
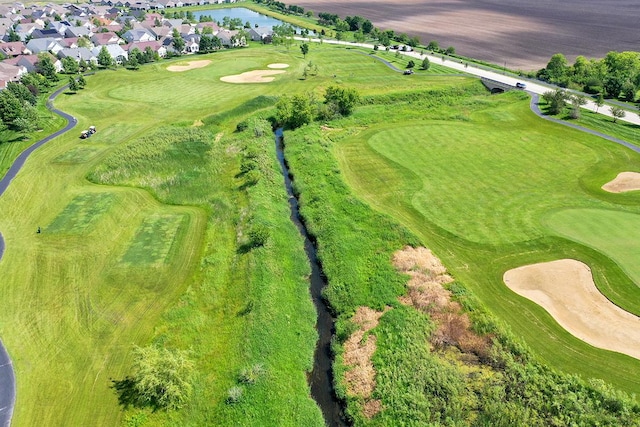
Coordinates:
617 75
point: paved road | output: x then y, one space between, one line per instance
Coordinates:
533 86
7 376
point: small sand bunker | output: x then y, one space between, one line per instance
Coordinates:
189 66
625 181
257 76
278 66
565 288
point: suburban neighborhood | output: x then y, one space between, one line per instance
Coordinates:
82 31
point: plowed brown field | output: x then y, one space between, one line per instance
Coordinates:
522 33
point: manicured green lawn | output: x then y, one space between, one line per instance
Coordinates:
477 190
615 233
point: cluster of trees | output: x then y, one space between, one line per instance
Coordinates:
18 101
617 75
297 110
283 8
137 57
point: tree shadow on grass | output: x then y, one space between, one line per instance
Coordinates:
126 391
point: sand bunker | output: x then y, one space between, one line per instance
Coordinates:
189 66
625 181
257 76
277 65
565 288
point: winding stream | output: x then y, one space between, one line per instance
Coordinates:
321 378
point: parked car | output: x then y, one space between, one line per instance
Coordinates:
408 72
521 85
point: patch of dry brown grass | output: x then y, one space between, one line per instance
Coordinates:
360 379
426 293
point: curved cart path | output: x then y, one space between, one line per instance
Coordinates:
7 376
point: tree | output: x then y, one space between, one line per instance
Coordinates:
617 113
45 67
133 62
70 65
295 111
433 46
425 64
577 101
161 377
73 84
411 64
344 99
556 69
599 101
22 92
10 107
104 58
556 100
450 50
304 48
367 26
81 81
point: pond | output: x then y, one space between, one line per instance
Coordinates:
242 13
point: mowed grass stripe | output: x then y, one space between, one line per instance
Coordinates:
154 240
84 210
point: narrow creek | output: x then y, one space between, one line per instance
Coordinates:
321 378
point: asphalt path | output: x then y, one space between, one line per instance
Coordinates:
533 86
7 376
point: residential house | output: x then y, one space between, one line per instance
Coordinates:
231 38
78 31
100 39
202 25
46 33
191 43
44 45
258 34
138 36
25 30
10 73
78 53
155 46
160 32
29 62
165 4
116 51
11 49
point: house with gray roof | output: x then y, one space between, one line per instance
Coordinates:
78 53
116 51
44 45
141 35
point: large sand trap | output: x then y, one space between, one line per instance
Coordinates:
189 66
625 181
256 76
565 288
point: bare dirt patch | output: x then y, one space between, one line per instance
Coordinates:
278 65
522 33
625 181
256 76
197 123
360 379
565 289
191 65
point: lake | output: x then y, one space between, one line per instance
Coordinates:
242 13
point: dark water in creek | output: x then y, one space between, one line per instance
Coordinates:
321 378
